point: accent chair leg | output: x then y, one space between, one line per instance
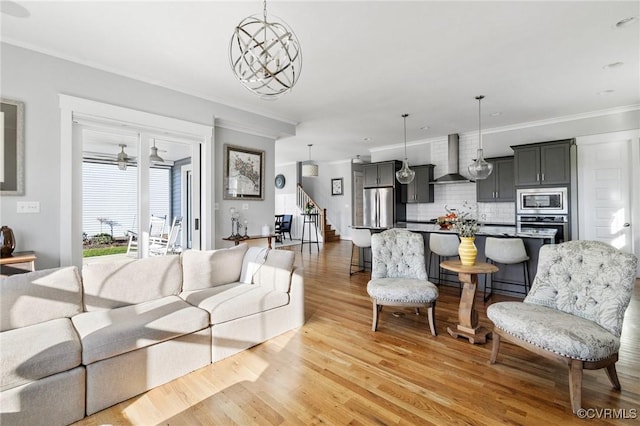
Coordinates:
575 384
432 319
374 326
496 347
613 376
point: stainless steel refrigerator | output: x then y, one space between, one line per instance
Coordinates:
378 209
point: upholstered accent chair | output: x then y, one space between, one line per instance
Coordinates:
399 274
574 310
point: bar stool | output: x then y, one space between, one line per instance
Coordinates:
360 238
507 251
444 246
310 219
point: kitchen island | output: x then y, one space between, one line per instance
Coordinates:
533 239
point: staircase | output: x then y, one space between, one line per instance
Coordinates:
326 230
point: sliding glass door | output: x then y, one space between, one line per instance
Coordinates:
138 195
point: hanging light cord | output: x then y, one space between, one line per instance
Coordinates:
405 134
479 98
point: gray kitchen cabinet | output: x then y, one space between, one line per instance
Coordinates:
380 174
499 186
420 189
545 163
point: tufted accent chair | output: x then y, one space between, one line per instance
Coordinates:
399 274
574 311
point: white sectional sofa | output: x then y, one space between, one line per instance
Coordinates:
124 328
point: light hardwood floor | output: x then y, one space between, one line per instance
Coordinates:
334 370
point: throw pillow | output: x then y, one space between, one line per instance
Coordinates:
253 259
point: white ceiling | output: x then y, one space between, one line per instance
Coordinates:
364 63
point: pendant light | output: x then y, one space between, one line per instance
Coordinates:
309 169
480 169
265 56
122 158
154 157
405 174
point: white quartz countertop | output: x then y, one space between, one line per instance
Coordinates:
488 230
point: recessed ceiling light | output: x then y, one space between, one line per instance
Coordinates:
424 128
366 139
606 92
495 114
613 65
627 21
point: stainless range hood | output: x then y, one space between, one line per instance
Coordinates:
454 175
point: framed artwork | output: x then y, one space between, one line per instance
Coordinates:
336 186
243 173
12 147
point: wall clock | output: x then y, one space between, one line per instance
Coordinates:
280 181
336 186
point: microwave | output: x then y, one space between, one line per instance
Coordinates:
542 201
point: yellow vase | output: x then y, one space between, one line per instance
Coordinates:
467 251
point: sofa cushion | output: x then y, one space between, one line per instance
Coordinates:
35 297
275 273
236 300
113 285
555 331
105 334
253 259
205 269
33 352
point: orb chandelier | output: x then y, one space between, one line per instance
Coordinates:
405 175
480 169
265 56
310 169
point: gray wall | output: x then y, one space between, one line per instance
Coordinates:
258 213
37 80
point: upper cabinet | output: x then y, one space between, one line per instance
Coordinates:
543 164
380 174
499 186
419 190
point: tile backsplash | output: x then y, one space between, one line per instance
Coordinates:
454 196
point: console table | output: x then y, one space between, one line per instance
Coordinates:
467 314
18 263
238 240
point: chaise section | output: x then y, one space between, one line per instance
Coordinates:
269 301
231 337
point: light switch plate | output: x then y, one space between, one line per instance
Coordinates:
28 206
245 206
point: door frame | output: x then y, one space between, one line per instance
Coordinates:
145 123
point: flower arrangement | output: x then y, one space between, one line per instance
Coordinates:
308 208
446 221
465 223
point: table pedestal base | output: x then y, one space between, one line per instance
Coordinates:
479 335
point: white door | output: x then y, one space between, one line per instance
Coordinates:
604 192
